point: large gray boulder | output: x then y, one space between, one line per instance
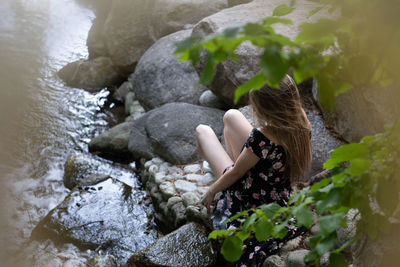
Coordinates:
362 111
171 16
159 78
93 74
187 246
171 130
139 144
113 143
230 74
102 214
132 26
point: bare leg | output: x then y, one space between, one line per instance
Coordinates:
236 131
211 150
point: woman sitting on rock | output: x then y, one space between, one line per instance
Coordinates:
261 165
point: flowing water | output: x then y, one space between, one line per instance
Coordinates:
42 121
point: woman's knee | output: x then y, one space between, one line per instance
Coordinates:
232 116
203 130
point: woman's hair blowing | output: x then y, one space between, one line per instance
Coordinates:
279 112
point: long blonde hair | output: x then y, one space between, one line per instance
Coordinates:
279 113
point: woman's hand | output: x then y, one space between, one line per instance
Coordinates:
208 198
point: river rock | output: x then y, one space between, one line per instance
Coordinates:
274 261
183 186
113 143
160 78
93 74
187 246
296 258
209 99
103 215
230 74
232 3
362 111
122 91
170 16
190 198
171 130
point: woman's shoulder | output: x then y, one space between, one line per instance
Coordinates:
264 136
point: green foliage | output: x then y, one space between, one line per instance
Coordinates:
354 48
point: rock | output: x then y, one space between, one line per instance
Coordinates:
230 74
133 25
167 190
171 130
322 143
232 3
121 93
183 186
103 261
363 111
315 229
93 74
178 214
170 16
346 234
209 99
200 178
187 246
172 201
192 168
96 39
114 143
190 198
274 261
383 251
196 214
104 215
296 258
292 244
139 144
130 98
160 78
127 34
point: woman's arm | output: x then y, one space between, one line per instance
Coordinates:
245 162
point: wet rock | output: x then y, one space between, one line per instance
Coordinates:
296 258
159 77
171 130
187 246
209 99
93 74
104 215
274 261
230 74
121 93
113 143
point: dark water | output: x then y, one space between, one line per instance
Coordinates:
42 122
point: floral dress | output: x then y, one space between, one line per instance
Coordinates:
262 184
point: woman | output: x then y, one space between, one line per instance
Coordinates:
261 165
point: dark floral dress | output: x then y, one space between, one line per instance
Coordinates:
262 184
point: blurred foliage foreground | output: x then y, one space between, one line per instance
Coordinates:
358 48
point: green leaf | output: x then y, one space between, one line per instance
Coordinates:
337 260
208 72
315 10
216 234
345 153
282 10
324 182
321 32
242 235
232 31
232 248
249 221
279 231
186 44
273 20
328 224
270 209
237 215
326 244
256 82
359 166
263 229
331 200
304 216
273 65
311 256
